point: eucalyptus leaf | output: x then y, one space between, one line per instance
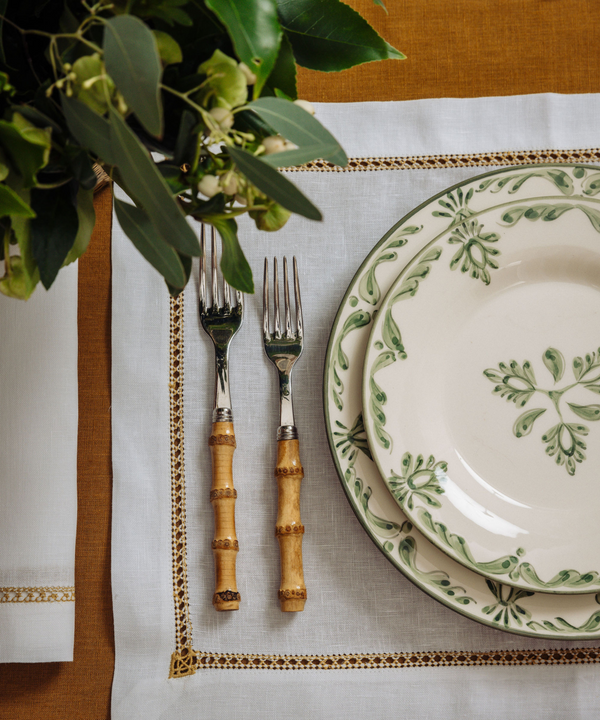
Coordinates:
587 412
555 362
255 32
168 48
86 216
53 230
89 129
329 35
11 204
283 75
27 146
133 62
298 126
234 266
187 139
144 182
139 229
14 282
289 158
81 165
524 423
274 184
21 227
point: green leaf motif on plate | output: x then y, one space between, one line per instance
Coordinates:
591 186
418 480
549 212
517 383
559 178
562 579
349 441
407 552
368 287
357 320
416 275
378 399
455 205
561 626
506 610
476 253
460 548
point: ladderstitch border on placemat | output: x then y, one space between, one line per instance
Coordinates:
185 660
440 162
37 594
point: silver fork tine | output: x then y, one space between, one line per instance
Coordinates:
286 297
298 300
276 298
226 295
202 289
215 283
266 333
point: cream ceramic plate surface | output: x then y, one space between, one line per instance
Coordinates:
490 601
482 379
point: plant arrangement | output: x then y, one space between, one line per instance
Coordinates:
189 105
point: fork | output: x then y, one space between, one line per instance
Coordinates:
221 323
283 350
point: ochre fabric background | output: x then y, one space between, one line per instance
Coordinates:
455 48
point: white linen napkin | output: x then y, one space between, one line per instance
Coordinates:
38 472
358 603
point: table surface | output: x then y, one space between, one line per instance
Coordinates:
454 48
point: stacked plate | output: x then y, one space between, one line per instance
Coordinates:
462 388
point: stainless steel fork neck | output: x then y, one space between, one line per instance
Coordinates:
222 406
222 415
287 432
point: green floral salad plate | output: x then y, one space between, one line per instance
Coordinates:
482 376
458 415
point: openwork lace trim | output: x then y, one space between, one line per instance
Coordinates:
375 661
437 162
36 594
185 660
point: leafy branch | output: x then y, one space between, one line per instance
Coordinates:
210 85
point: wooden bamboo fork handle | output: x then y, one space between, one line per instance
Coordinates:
289 529
222 496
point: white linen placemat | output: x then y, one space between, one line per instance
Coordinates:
38 472
358 603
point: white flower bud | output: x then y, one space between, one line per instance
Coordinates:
241 200
305 105
250 76
209 185
229 184
289 145
273 144
223 116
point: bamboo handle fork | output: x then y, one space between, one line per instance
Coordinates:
221 322
283 349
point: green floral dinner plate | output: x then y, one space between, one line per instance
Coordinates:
482 376
427 231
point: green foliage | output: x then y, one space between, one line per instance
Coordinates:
202 82
328 35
